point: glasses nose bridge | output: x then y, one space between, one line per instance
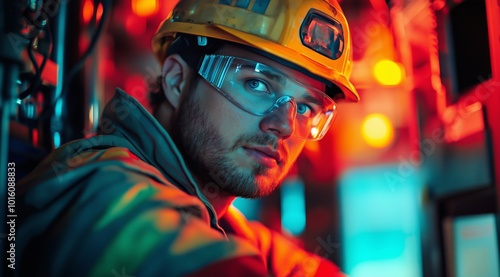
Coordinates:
282 100
285 113
281 117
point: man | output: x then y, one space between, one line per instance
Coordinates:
245 84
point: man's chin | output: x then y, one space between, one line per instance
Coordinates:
265 185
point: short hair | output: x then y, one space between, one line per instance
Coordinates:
186 46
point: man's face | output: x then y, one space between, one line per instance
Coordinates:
244 154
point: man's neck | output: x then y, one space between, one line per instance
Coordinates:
219 202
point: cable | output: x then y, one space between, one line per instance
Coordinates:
37 80
30 14
106 6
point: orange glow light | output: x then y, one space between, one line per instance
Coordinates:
377 130
145 8
388 73
87 10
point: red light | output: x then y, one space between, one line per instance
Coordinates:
135 25
87 11
108 66
99 12
35 137
83 43
137 87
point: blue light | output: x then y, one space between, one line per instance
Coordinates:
379 220
293 208
248 207
57 139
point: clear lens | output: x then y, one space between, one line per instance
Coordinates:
259 89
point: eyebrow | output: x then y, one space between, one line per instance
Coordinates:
275 77
312 99
268 73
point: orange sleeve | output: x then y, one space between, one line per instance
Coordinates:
282 257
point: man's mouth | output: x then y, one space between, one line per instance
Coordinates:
264 155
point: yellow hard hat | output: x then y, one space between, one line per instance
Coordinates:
312 34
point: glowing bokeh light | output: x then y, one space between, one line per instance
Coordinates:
293 207
145 8
377 130
87 10
99 12
388 73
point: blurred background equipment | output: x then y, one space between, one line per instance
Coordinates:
42 99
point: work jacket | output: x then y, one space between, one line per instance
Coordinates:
124 203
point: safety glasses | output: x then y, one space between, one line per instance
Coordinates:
261 90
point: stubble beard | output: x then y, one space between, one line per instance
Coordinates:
206 152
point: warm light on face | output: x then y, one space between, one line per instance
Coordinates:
377 130
388 73
144 8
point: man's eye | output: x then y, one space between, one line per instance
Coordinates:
305 110
257 85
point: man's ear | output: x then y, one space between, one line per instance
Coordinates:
175 76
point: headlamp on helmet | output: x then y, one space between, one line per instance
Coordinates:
322 35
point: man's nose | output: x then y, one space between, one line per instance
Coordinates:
281 120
